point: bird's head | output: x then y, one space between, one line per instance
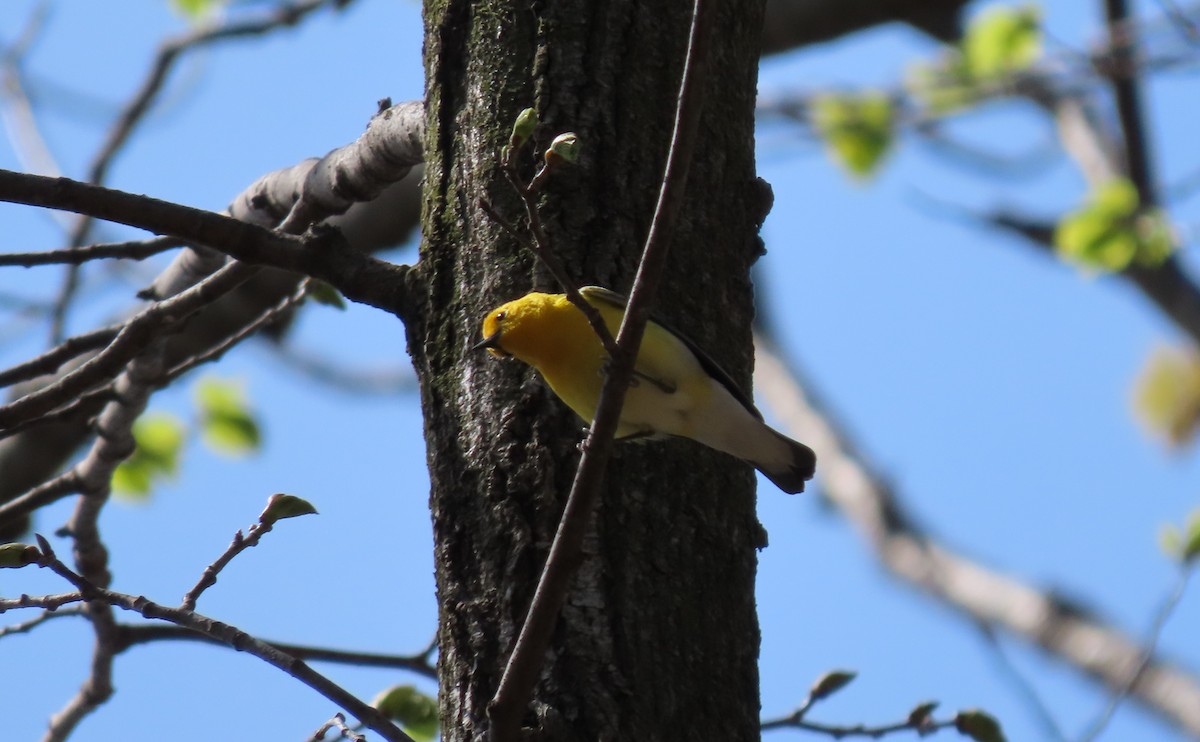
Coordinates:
493 331
512 329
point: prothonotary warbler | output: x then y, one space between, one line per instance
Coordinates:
677 389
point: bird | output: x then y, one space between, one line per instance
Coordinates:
676 389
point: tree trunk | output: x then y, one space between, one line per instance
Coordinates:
659 638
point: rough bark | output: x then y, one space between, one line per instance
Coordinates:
667 590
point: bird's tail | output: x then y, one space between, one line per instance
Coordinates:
791 470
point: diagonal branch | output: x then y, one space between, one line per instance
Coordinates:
984 595
231 636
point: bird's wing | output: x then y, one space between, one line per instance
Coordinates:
613 299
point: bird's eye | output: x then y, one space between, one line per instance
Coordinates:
500 316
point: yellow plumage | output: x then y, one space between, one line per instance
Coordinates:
677 390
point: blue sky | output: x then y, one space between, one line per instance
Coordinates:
990 384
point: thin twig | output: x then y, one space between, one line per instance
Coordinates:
1037 705
229 635
138 332
856 730
339 722
209 577
135 111
84 402
52 359
419 663
1041 617
266 317
525 663
542 248
131 250
359 277
50 603
52 490
1127 94
1156 628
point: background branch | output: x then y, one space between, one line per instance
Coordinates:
992 599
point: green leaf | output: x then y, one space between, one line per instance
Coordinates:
919 717
1191 541
978 725
1156 241
1109 231
523 127
323 293
830 683
197 10
1002 40
943 86
158 438
565 148
14 556
414 710
280 506
1170 541
858 129
1166 395
226 421
1182 545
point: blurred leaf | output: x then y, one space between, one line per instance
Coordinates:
1166 394
1191 545
1002 40
920 715
998 42
979 726
1156 241
857 128
159 438
226 421
415 711
830 683
1170 542
196 10
1109 232
323 293
280 506
1182 545
943 86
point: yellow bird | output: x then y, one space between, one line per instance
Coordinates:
677 389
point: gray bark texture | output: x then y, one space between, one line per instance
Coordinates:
658 639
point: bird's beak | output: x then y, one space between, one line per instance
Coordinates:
491 343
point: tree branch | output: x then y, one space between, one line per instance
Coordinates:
134 250
1123 74
132 635
231 636
1061 629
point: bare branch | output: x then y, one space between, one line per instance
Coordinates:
137 334
795 721
134 250
1157 625
49 602
231 636
266 317
985 596
63 485
418 663
52 359
1123 74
